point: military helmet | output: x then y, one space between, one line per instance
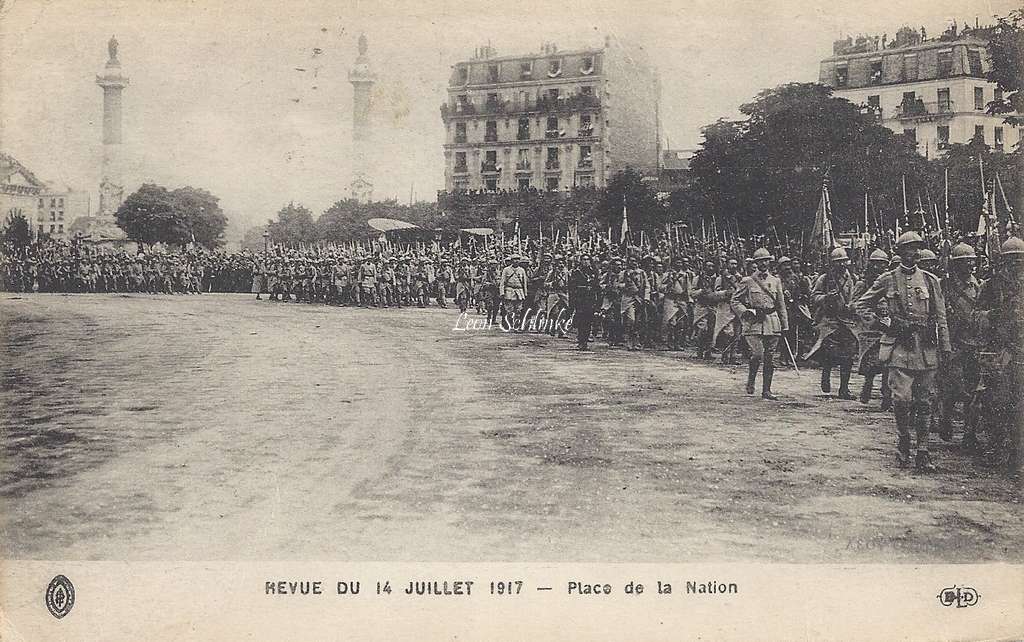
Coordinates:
909 237
784 260
927 255
762 253
1012 246
879 255
838 254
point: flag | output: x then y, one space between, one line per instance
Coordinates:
821 235
625 222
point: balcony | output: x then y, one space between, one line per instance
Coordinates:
491 137
585 132
524 166
585 163
552 165
460 169
460 138
523 134
919 110
489 168
459 109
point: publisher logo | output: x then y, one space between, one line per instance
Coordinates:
60 596
958 596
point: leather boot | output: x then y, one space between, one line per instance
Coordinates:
845 370
903 425
865 390
766 381
886 393
826 378
752 375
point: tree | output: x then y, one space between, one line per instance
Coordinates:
1006 51
200 211
762 175
148 215
644 210
252 239
17 232
294 225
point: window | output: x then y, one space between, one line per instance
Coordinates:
524 129
587 90
53 215
41 206
551 183
979 98
462 105
875 102
910 67
460 132
979 133
60 229
585 181
492 73
552 161
40 230
53 228
554 67
523 159
490 161
552 128
553 94
997 139
876 73
943 134
911 133
491 184
842 75
974 62
463 74
944 104
461 184
491 135
526 70
587 66
60 215
53 202
524 183
460 161
60 202
945 64
586 128
586 160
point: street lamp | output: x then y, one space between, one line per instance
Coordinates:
266 239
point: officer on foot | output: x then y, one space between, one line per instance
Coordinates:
916 341
760 304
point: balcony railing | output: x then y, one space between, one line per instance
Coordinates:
574 102
552 164
552 133
586 163
491 137
523 134
460 169
523 166
460 138
585 132
459 109
488 167
920 110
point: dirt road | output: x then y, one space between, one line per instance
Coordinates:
218 427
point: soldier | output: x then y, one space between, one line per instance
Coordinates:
556 284
959 378
916 342
704 311
760 304
584 287
464 285
489 291
443 280
874 321
835 320
1000 306
676 286
725 284
633 285
610 309
512 287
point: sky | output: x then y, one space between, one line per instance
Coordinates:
217 99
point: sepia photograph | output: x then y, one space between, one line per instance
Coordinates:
462 283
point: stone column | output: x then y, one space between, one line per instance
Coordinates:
362 79
113 82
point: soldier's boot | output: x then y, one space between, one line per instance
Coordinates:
826 377
946 419
752 374
922 415
865 390
903 422
845 370
766 381
886 392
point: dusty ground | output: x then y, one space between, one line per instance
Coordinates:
218 427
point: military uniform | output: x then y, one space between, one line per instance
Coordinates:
760 304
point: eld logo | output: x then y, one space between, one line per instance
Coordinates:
60 596
958 596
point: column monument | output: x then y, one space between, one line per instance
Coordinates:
362 80
113 82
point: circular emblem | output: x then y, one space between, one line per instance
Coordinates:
60 596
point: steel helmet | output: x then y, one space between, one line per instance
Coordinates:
783 260
879 255
1012 245
962 251
927 255
909 237
762 253
838 254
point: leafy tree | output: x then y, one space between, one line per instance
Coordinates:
1006 51
964 164
148 215
644 210
294 225
17 232
200 211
